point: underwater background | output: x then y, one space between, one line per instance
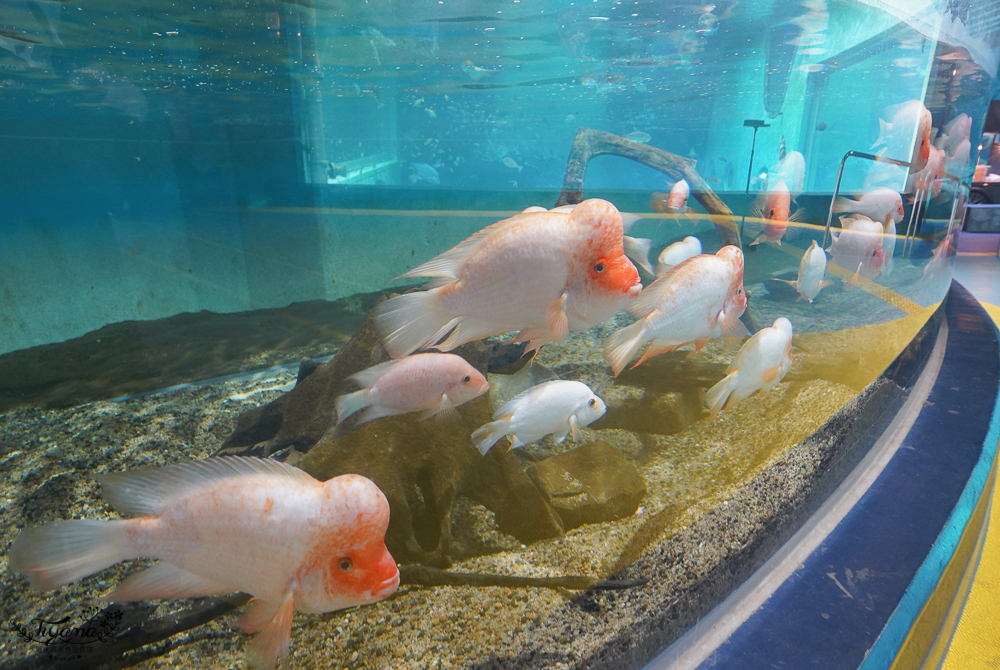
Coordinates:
204 202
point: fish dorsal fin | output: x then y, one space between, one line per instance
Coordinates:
367 378
510 407
449 263
146 492
533 209
649 298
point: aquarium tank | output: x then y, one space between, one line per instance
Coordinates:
550 294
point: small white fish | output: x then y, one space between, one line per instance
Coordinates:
552 408
812 270
638 136
760 365
435 383
677 253
512 164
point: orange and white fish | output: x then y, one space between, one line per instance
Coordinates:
775 214
760 365
677 253
225 525
812 270
555 408
879 204
895 136
542 273
435 383
673 202
701 298
857 247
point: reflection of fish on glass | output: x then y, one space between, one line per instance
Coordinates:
422 172
857 247
720 173
907 136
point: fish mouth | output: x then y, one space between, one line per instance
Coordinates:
387 587
634 290
484 387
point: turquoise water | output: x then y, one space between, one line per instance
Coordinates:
200 192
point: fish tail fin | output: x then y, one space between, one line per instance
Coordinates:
62 552
718 396
883 128
486 436
842 204
349 403
619 348
412 321
638 250
274 623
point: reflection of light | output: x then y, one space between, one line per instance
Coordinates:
954 72
763 175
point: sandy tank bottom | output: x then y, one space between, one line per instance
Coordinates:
711 489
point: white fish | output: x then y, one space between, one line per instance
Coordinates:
435 383
858 246
699 299
812 270
760 365
543 273
677 253
897 136
226 525
638 136
956 130
552 408
878 204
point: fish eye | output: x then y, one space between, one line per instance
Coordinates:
739 291
592 402
599 268
770 214
466 379
345 563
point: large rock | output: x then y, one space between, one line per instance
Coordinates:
590 484
420 465
636 409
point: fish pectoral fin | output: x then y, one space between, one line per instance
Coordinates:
793 284
574 427
444 412
556 320
657 347
733 329
823 284
273 624
164 580
768 376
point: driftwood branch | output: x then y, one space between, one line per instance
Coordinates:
589 143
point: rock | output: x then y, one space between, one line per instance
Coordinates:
590 484
421 466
